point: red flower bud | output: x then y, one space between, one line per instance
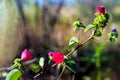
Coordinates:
26 55
101 9
57 57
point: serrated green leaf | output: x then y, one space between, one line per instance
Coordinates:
71 65
35 67
72 43
88 27
41 62
13 75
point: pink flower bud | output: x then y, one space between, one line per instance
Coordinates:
50 54
26 55
57 57
101 9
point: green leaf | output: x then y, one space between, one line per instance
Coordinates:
88 27
13 75
97 33
41 62
77 25
35 67
114 34
18 64
21 67
71 65
75 53
112 40
72 43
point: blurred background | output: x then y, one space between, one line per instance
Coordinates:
46 25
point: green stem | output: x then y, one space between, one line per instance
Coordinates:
98 75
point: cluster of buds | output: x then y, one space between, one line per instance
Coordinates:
113 35
102 17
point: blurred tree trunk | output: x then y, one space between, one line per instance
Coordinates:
23 28
8 31
49 23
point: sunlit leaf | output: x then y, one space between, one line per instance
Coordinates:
13 75
88 27
41 62
77 25
72 43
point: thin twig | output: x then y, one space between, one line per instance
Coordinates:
25 63
5 68
88 39
63 69
39 74
73 77
44 71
